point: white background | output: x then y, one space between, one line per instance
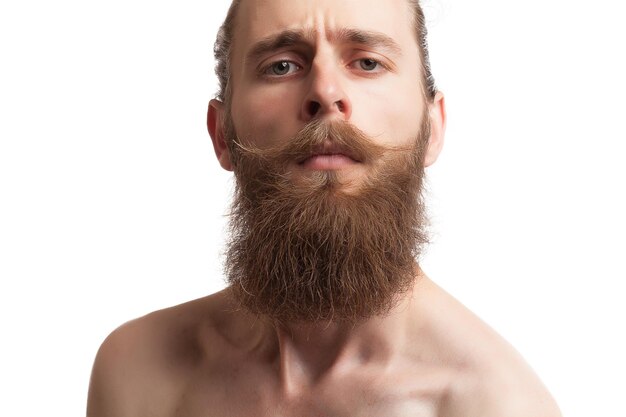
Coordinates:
112 204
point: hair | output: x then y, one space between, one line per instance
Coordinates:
317 246
224 42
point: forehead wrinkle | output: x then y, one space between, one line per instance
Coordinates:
292 37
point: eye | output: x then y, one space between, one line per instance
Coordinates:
281 68
368 64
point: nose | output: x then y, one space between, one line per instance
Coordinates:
326 96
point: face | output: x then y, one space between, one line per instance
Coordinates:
349 60
332 134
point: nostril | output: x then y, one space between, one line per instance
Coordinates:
314 108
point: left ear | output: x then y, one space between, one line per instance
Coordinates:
437 115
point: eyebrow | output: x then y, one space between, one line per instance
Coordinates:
289 38
367 38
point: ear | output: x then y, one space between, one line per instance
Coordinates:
215 125
437 114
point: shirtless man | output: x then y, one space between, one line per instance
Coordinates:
327 115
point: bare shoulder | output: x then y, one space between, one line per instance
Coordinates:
507 393
492 378
141 366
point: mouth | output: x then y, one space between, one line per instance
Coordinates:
329 157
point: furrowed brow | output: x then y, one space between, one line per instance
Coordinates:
367 38
275 42
289 38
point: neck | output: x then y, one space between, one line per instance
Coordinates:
308 353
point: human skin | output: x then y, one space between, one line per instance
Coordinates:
429 356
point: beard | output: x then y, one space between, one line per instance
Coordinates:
309 246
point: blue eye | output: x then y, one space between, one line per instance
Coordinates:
281 68
368 64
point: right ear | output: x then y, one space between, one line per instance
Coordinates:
215 125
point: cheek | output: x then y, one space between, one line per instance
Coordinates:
391 111
406 117
265 116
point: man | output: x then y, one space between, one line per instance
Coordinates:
328 115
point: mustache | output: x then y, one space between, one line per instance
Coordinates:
319 137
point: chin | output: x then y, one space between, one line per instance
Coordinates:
346 180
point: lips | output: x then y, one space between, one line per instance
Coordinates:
329 156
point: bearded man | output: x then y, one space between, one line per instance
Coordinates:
328 115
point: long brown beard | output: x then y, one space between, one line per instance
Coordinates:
304 249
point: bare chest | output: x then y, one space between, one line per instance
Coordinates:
353 396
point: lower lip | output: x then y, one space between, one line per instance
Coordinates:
328 162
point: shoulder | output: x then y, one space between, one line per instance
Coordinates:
142 365
507 393
492 378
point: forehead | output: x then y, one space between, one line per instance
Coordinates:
258 19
